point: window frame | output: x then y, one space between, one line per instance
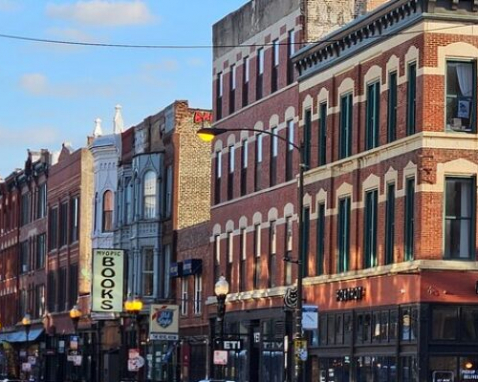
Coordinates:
346 125
372 115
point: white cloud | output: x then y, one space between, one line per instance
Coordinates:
167 65
195 62
102 12
9 6
35 137
37 84
71 34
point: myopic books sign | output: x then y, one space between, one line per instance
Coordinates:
107 285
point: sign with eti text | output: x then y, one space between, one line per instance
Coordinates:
107 283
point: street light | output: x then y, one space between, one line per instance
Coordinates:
207 135
27 323
75 314
133 307
221 289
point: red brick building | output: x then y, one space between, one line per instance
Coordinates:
388 114
254 184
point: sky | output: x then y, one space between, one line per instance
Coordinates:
52 93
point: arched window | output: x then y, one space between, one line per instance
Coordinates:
149 195
107 211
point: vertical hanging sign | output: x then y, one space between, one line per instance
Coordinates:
107 283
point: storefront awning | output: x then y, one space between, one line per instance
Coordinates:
21 335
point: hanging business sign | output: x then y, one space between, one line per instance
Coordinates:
107 285
163 322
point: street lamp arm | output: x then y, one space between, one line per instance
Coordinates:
215 131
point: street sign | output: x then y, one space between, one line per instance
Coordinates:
220 357
310 317
163 322
134 364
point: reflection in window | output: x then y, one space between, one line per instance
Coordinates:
469 324
444 323
149 195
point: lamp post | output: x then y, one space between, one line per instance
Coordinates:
27 323
133 307
207 135
221 289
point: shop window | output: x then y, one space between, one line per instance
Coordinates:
459 217
339 329
323 330
461 96
348 328
393 330
444 323
409 324
363 327
469 324
373 115
409 369
331 329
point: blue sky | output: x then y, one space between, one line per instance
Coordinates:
51 94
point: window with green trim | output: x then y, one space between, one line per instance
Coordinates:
305 240
461 96
373 115
346 115
319 261
409 218
307 137
343 235
392 107
411 98
322 133
370 229
459 217
390 224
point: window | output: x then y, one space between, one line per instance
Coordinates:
148 272
128 198
41 250
258 167
275 65
257 256
217 184
53 228
459 218
149 195
460 95
392 107
245 84
411 98
232 89
107 218
288 251
219 90
243 261
52 291
307 137
41 201
290 150
409 318
319 262
169 191
244 154
25 215
62 282
184 296
444 323
290 52
322 133
346 116
260 74
24 256
198 294
166 265
343 235
274 152
39 310
373 115
409 217
217 257
370 229
272 255
74 219
63 224
73 283
390 224
229 256
230 180
305 240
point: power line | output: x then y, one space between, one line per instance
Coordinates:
153 46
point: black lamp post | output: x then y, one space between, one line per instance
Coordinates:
75 314
133 307
27 323
208 134
221 289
